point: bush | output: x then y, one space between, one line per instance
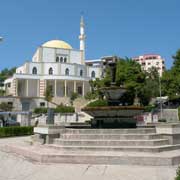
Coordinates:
90 95
15 131
2 92
6 107
98 103
40 110
58 109
177 174
162 120
64 109
74 96
149 108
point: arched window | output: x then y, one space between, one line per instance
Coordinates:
93 74
50 71
57 59
67 72
65 59
81 73
61 59
34 70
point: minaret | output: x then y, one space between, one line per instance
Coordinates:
82 38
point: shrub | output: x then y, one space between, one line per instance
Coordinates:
177 173
15 131
74 96
6 107
58 109
2 92
91 95
149 108
64 109
98 103
40 110
162 120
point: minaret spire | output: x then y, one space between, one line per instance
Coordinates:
82 38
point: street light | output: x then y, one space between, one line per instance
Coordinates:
1 38
160 97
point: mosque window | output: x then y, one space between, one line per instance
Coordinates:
67 72
50 71
93 74
57 59
61 59
81 72
34 70
65 59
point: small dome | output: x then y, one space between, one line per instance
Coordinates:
57 44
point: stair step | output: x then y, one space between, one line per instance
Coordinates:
112 136
99 142
45 154
154 149
110 131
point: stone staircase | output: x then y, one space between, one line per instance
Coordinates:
141 146
126 140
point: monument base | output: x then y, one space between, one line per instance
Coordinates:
170 131
46 133
113 122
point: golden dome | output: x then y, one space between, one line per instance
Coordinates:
57 44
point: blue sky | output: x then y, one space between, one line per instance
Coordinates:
113 27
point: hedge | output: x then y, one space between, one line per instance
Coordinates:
40 110
64 109
16 131
98 103
59 109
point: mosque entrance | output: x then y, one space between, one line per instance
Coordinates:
79 90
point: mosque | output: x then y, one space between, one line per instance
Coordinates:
57 64
65 69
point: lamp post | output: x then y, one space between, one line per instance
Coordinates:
160 97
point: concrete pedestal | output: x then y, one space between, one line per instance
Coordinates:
46 134
169 131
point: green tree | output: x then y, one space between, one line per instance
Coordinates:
130 75
48 94
150 89
6 73
176 63
95 87
6 107
74 96
171 79
106 81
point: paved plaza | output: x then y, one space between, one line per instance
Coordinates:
14 167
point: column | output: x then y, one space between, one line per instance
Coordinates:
74 86
27 87
38 88
16 87
65 88
55 88
83 89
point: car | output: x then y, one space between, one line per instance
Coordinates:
10 122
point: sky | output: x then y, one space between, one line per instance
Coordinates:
125 28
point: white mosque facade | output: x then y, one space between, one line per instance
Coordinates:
56 64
